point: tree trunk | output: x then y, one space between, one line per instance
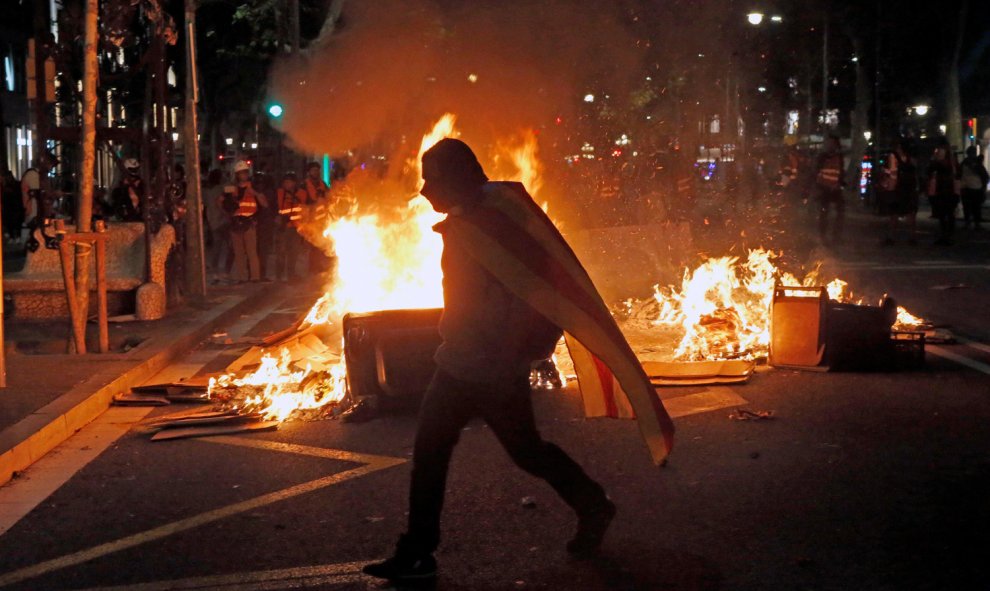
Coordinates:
953 127
84 204
195 270
861 111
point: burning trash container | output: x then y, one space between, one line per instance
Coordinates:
389 356
810 331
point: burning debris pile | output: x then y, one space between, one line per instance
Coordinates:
722 310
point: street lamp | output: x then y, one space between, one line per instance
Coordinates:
275 110
921 110
754 18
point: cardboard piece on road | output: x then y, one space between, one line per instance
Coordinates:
187 414
206 431
205 418
699 373
189 396
194 383
129 399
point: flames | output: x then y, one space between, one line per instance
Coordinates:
722 307
390 259
385 259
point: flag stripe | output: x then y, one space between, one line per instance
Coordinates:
527 250
608 388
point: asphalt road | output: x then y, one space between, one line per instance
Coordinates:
861 481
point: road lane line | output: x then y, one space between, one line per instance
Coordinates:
374 464
304 450
283 578
47 475
974 344
960 359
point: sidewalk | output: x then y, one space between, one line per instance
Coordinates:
50 395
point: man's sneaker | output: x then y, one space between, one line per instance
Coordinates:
403 568
591 530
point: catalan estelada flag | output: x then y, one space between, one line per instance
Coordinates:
511 237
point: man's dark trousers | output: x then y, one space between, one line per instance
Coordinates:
828 198
506 407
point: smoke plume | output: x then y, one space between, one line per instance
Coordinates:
392 67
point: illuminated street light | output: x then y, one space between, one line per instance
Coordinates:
921 109
762 89
230 141
254 145
754 18
275 110
867 135
777 18
589 98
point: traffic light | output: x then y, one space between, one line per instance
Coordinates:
275 110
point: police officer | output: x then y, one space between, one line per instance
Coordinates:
829 182
291 198
241 202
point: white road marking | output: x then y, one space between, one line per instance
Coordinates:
371 463
974 344
960 359
44 477
47 475
284 578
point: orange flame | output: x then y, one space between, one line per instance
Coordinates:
383 262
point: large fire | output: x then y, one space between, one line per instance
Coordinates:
385 260
391 260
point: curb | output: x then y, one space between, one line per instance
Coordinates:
27 441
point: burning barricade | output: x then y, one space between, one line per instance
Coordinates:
373 332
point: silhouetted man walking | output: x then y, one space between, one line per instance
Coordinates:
489 337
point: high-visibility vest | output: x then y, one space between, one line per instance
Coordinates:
247 205
290 205
830 173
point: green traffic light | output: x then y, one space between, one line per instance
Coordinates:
275 110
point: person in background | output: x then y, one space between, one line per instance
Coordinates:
943 191
128 196
319 203
241 202
897 191
266 221
289 244
13 205
973 177
829 183
31 197
218 226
